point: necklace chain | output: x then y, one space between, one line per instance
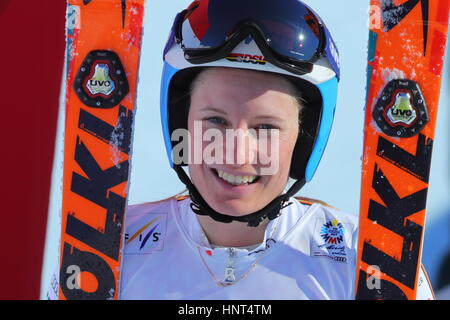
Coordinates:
229 274
230 277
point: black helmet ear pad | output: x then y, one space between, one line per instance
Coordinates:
179 99
309 124
309 118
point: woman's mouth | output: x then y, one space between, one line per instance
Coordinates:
235 180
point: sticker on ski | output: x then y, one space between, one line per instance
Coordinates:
401 110
101 81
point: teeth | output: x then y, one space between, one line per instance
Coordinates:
235 180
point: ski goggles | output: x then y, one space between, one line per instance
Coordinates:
289 34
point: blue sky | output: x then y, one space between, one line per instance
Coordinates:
337 180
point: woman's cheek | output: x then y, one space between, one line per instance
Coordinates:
272 152
212 146
285 150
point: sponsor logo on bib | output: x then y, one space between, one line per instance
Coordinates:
329 239
146 235
332 232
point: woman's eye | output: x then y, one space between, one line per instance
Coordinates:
217 120
266 126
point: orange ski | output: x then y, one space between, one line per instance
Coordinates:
406 51
103 47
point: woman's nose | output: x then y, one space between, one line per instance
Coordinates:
241 146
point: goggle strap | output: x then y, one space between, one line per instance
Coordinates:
200 56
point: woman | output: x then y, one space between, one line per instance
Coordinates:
269 71
270 68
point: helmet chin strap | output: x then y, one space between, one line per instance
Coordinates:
271 211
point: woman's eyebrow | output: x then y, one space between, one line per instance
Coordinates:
259 117
270 117
213 109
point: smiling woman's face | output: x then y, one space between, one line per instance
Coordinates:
227 99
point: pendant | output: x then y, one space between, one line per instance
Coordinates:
230 269
229 274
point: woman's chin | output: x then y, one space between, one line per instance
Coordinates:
234 207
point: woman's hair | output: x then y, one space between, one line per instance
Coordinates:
293 89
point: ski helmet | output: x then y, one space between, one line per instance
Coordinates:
285 37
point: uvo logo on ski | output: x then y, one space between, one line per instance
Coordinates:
401 109
146 234
329 239
401 112
101 81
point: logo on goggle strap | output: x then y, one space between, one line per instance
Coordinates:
246 58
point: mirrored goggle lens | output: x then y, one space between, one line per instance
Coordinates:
288 27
